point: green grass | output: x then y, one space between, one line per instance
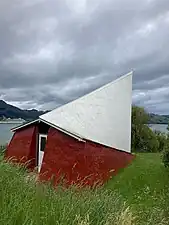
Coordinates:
141 191
24 202
144 185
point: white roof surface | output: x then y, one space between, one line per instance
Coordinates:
103 116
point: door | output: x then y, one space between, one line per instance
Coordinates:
42 143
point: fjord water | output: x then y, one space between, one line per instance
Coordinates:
6 133
159 127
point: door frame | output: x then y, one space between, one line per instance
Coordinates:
39 145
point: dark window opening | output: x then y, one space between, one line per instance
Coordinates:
42 144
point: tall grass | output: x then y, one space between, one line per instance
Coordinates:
144 185
139 195
2 149
25 202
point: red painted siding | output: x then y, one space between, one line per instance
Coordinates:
86 163
22 148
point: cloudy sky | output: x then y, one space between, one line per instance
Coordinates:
53 51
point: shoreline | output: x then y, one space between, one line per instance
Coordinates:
11 122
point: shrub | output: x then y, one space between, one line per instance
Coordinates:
165 155
143 138
162 140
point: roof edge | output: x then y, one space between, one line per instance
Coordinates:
24 125
90 93
76 136
114 81
72 134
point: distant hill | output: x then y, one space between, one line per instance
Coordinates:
10 111
158 119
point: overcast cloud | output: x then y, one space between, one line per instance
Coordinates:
53 51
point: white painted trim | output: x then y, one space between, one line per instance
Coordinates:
39 145
78 137
43 135
24 125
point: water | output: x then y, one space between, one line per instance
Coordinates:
159 127
6 133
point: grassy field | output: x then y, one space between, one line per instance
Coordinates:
144 185
138 195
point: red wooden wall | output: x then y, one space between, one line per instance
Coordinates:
22 148
86 163
81 163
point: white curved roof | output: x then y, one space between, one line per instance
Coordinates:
103 116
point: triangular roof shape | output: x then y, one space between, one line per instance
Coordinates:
102 116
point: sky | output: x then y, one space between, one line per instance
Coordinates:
54 51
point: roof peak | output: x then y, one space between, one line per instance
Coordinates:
103 115
97 89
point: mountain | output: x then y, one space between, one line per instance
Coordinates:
158 119
10 111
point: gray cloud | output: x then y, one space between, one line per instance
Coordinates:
55 51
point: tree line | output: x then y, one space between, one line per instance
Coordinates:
144 139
